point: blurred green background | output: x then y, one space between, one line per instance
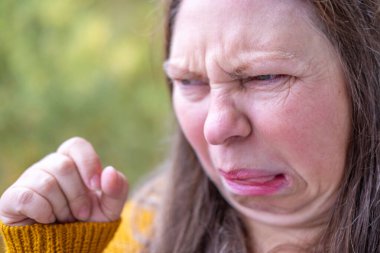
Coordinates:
85 68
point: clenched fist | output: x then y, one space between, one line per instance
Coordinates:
66 186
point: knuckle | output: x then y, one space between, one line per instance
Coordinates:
47 160
47 183
77 141
50 156
53 163
36 166
24 197
64 165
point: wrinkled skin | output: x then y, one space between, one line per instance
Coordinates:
65 186
258 86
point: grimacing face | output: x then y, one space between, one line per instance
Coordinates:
260 95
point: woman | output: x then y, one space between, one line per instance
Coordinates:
278 148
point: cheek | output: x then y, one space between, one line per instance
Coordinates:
311 132
191 117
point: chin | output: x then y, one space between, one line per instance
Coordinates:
275 211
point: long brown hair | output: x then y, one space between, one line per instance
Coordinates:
194 216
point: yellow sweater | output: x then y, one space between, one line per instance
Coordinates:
129 234
125 235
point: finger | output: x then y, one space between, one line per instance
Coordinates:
65 173
114 193
86 160
47 186
20 204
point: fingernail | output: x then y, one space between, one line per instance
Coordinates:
110 168
84 213
95 182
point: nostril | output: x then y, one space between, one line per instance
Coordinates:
234 138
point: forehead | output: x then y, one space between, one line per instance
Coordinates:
239 10
223 17
208 30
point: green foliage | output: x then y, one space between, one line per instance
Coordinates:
81 68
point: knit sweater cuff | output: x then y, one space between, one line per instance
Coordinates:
69 237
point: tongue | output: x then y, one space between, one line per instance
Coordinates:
257 180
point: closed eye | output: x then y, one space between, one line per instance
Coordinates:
189 82
264 79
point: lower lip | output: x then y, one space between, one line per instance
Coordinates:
257 187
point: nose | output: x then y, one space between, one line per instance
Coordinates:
225 122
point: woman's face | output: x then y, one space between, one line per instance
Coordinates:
260 95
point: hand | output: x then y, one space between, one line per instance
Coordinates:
66 186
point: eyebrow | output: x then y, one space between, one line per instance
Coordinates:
173 71
248 62
240 71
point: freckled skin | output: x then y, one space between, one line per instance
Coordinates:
298 124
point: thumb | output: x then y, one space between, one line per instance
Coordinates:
114 187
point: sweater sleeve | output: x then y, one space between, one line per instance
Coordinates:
69 237
109 237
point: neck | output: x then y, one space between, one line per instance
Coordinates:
272 239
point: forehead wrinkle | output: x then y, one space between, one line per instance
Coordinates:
233 54
242 65
223 50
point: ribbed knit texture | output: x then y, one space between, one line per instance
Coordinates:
84 237
130 235
71 237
